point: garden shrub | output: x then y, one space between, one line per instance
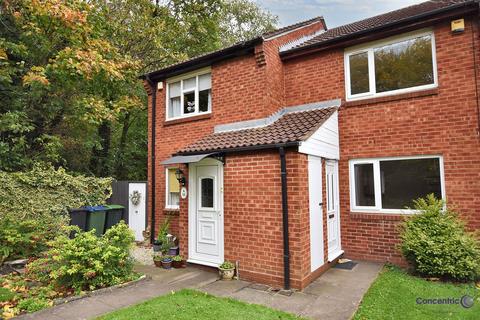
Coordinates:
86 262
436 243
34 206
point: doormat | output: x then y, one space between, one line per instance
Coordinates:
346 265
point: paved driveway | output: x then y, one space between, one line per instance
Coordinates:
335 295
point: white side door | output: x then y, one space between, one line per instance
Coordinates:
137 212
332 209
316 212
206 213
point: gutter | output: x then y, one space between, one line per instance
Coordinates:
240 49
286 245
297 51
153 86
240 149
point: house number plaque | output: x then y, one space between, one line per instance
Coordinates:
183 192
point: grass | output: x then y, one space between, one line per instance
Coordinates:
189 304
394 294
6 295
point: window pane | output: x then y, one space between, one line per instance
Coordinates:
405 180
174 89
207 193
174 107
359 82
204 100
364 185
204 82
404 64
190 83
189 102
174 199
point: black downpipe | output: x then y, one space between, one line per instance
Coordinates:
153 86
286 249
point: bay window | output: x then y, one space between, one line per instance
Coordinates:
189 95
391 184
398 65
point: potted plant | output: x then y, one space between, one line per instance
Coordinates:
157 245
157 260
226 270
167 262
178 262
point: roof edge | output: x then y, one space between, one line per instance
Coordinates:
297 51
240 149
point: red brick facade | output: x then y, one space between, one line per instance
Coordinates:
443 121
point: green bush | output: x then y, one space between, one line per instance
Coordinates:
34 206
86 262
436 243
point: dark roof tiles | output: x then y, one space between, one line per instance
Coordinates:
291 127
380 21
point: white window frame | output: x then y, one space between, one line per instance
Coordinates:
167 205
377 183
369 49
180 78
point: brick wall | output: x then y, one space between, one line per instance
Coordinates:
442 121
243 88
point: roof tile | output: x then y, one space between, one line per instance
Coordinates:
291 127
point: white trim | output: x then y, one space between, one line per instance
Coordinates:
181 78
295 29
192 211
315 192
369 48
377 183
168 206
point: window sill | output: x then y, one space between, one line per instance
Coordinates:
375 216
394 97
171 212
187 119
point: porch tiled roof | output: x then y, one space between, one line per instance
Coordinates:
290 127
381 20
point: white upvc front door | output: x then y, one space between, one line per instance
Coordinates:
205 214
332 210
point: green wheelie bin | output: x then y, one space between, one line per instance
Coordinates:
96 219
114 215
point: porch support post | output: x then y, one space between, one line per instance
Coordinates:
286 249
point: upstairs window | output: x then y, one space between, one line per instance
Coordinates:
189 95
391 67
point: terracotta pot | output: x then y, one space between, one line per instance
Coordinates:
177 264
158 263
226 274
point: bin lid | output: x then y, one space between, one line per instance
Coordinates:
114 206
95 208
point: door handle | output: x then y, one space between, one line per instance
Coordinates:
331 216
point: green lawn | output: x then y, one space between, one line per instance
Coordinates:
190 304
394 294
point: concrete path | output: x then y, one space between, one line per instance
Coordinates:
335 295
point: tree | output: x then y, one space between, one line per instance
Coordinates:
69 87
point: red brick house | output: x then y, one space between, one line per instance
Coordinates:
307 143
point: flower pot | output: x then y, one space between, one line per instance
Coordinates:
176 264
158 263
226 274
157 247
167 264
173 251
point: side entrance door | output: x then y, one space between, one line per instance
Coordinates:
206 213
333 212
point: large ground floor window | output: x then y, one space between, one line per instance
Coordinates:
391 184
